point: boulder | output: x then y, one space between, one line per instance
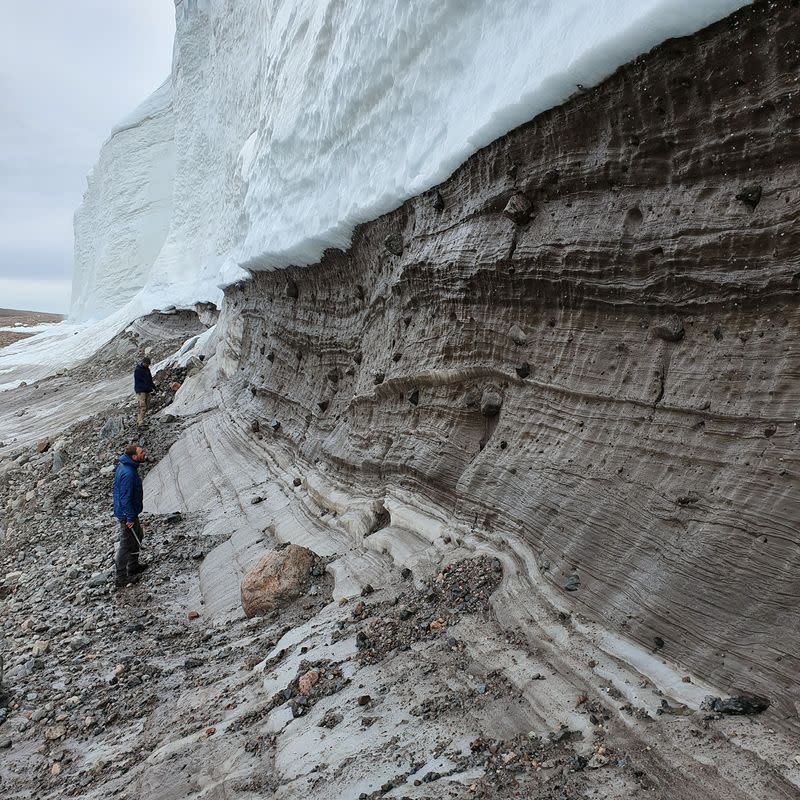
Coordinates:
280 577
113 428
519 208
394 244
491 403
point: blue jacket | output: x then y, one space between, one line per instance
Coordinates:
142 379
128 495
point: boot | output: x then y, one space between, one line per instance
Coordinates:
123 582
136 569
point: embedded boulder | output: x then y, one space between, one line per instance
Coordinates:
280 577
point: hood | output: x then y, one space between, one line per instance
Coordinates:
127 460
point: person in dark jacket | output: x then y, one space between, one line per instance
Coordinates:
128 504
143 385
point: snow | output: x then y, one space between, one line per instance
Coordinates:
123 221
287 123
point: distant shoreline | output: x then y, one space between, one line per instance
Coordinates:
10 316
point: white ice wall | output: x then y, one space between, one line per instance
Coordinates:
126 211
294 120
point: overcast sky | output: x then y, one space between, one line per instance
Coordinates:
69 70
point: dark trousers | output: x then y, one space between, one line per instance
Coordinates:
130 540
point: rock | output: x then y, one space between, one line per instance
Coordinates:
737 705
518 208
523 370
192 663
438 201
193 615
413 397
597 761
5 742
307 681
58 461
55 732
40 647
572 583
42 446
323 405
394 244
280 577
255 426
670 330
378 378
297 482
517 335
275 425
174 518
364 700
256 500
291 290
750 196
330 719
99 578
113 428
491 403
770 430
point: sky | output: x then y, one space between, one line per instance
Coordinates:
68 72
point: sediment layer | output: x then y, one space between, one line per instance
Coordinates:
583 341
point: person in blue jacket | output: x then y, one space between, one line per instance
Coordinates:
143 385
128 504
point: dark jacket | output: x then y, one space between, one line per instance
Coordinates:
128 496
142 379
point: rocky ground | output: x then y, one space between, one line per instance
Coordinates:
10 318
107 693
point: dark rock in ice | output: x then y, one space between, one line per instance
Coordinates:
671 330
518 208
750 195
394 244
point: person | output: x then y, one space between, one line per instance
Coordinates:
143 385
128 504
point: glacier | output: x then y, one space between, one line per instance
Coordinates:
286 124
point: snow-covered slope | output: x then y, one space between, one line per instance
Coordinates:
295 120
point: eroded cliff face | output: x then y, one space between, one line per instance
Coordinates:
608 380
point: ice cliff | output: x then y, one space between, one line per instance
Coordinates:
123 221
285 124
575 356
579 349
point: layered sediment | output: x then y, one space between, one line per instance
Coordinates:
580 346
537 427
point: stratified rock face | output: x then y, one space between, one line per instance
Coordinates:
607 379
280 577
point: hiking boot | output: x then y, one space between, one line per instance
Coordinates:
124 582
136 569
